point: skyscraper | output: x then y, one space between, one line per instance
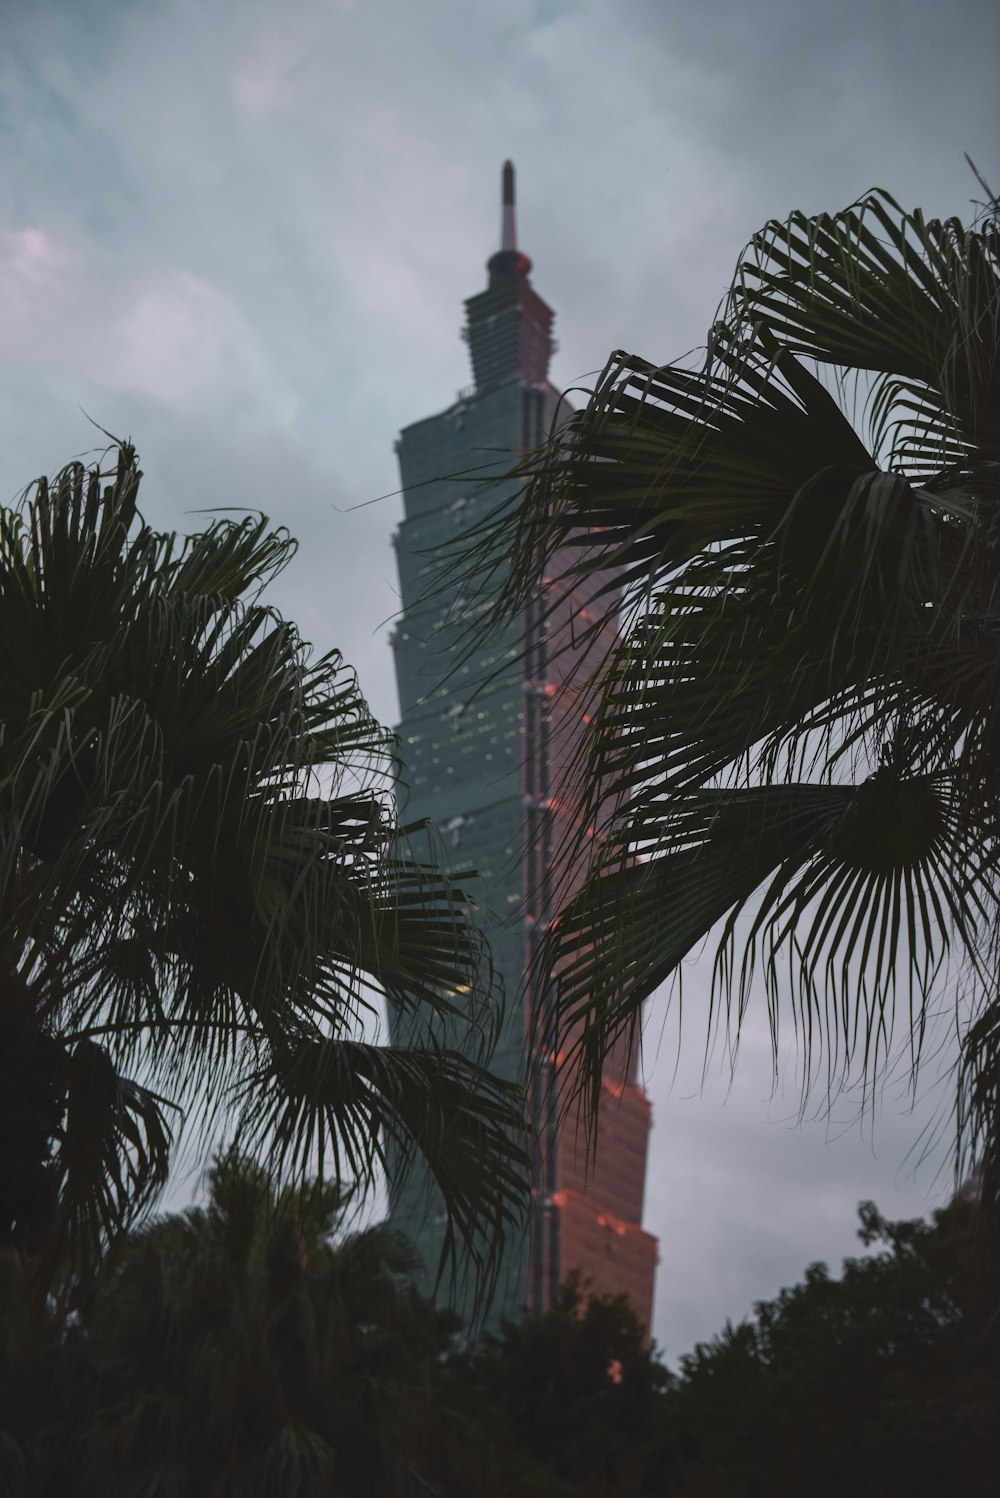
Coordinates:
482 736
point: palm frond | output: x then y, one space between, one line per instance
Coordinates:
112 1157
346 1100
794 742
199 867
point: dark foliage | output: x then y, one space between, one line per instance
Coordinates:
236 1349
204 892
572 1399
244 1348
884 1382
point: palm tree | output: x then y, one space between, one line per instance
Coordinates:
250 1346
203 893
796 743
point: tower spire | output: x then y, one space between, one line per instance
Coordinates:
509 327
508 232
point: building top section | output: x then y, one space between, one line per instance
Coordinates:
509 327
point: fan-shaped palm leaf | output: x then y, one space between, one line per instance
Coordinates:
200 880
797 736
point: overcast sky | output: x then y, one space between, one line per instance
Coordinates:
240 232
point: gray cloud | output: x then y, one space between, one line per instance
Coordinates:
243 237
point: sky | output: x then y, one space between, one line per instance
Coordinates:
241 234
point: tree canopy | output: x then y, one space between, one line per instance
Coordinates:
884 1381
249 1346
253 1345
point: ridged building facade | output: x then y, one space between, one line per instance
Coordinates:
483 735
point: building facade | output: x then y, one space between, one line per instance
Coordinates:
483 735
